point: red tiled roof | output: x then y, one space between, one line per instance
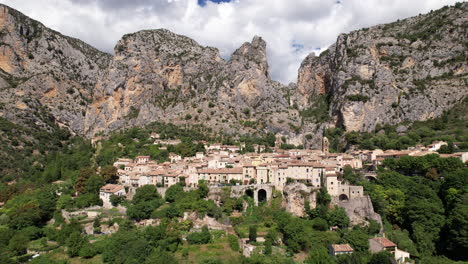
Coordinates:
111 188
222 171
385 242
342 247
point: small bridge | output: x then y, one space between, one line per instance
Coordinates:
370 176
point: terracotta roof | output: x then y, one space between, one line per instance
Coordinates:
385 242
156 172
111 188
222 171
342 247
124 160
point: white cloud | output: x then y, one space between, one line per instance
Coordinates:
310 24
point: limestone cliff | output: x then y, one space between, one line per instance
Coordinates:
42 70
413 69
409 70
157 75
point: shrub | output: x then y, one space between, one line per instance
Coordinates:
319 224
202 237
358 98
252 233
233 243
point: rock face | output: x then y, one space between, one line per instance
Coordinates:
157 75
409 70
359 210
44 71
295 197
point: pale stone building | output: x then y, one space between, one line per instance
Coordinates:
110 189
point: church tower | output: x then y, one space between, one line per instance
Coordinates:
325 145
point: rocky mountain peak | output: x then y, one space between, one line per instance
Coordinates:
253 54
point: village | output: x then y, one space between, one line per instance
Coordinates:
223 165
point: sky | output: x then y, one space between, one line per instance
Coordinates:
291 28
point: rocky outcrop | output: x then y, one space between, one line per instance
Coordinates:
198 223
409 70
359 210
296 196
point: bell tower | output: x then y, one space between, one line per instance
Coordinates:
325 145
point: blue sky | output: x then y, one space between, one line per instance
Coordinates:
291 28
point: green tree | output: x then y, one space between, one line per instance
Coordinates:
319 255
233 243
323 198
18 245
172 192
403 240
320 224
202 237
88 250
268 247
202 189
143 209
382 257
74 244
358 240
116 199
145 193
126 247
161 256
93 184
24 215
253 233
338 217
455 235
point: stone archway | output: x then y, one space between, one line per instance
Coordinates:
343 197
262 196
370 178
